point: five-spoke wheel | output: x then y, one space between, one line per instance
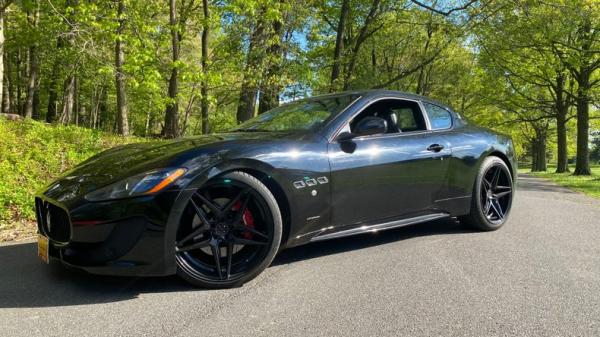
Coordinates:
492 195
229 233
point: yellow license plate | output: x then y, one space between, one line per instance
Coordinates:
43 248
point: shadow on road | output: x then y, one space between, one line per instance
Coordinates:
26 282
324 248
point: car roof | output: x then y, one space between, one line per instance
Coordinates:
376 93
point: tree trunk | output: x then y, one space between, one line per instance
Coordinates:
147 124
32 82
269 96
562 164
171 128
339 44
3 85
362 36
76 106
534 155
122 120
582 163
103 108
93 106
249 89
5 107
18 82
422 79
6 85
247 103
561 109
68 100
587 64
52 110
204 62
9 92
539 153
542 163
52 92
36 98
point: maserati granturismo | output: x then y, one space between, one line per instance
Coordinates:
216 209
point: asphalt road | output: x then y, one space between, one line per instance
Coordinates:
537 276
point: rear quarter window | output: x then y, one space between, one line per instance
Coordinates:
439 117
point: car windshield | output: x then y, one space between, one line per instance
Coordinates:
305 114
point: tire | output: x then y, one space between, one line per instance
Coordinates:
492 196
248 249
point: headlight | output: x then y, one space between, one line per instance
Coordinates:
141 184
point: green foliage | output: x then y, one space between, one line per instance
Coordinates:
32 154
589 185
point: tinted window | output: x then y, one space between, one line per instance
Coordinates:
300 115
400 115
439 117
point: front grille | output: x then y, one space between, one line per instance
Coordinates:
53 221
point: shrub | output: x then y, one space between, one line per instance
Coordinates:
32 154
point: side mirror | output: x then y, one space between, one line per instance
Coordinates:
366 127
371 126
345 136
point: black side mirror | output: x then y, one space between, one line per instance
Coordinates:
371 126
366 127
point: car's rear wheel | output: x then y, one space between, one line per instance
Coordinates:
492 196
229 233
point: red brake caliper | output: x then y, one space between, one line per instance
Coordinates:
247 218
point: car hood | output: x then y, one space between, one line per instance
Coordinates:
120 162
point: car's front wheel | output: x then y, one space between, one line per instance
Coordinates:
229 233
492 196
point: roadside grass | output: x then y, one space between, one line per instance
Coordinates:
32 154
589 185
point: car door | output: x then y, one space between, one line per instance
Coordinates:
391 175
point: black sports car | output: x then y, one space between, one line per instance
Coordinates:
216 209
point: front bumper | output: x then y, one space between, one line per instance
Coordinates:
121 237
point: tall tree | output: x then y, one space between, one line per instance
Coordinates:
31 108
3 85
204 63
171 127
69 84
562 103
122 110
252 70
339 44
3 5
364 32
582 59
271 79
52 107
6 105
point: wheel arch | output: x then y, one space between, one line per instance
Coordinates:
281 197
506 161
260 170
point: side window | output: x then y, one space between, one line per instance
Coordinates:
439 117
405 119
400 115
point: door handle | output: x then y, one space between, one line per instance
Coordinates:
435 148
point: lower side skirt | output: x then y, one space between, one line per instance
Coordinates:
380 227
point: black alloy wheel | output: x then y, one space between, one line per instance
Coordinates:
492 196
230 232
496 193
